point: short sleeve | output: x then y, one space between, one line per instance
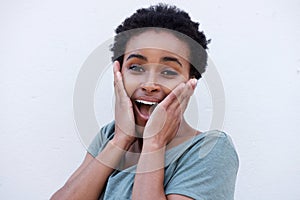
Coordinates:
207 170
101 139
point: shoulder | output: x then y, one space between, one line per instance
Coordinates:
108 130
214 141
102 137
207 168
211 148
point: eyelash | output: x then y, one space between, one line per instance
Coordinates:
169 73
139 69
136 68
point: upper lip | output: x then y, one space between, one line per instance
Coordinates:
147 100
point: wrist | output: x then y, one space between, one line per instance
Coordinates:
111 155
121 143
152 145
122 140
152 158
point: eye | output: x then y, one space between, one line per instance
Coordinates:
169 73
136 68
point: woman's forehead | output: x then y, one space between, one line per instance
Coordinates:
161 41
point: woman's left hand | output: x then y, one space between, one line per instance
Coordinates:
165 120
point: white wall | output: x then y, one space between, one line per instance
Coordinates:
43 44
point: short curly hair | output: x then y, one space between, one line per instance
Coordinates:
170 18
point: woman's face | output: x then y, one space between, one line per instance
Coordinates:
154 64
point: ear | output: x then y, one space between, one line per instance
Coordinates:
192 76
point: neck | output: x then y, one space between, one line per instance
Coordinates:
185 131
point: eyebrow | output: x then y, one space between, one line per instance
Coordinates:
137 56
164 59
172 59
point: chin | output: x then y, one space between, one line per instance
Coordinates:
139 130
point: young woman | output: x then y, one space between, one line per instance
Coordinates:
150 151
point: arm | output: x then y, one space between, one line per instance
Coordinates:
149 179
149 185
90 178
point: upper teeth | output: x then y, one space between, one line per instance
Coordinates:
146 102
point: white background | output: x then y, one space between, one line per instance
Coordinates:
43 44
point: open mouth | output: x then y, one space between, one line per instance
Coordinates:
144 108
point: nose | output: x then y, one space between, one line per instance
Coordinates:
150 87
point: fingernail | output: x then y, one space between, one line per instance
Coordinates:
115 66
194 81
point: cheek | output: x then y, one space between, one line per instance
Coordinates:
130 84
170 84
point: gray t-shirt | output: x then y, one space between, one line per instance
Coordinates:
203 168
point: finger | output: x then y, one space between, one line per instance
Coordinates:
116 66
187 93
189 89
118 81
181 91
116 69
181 96
193 82
172 96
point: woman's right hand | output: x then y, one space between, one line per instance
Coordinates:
124 117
